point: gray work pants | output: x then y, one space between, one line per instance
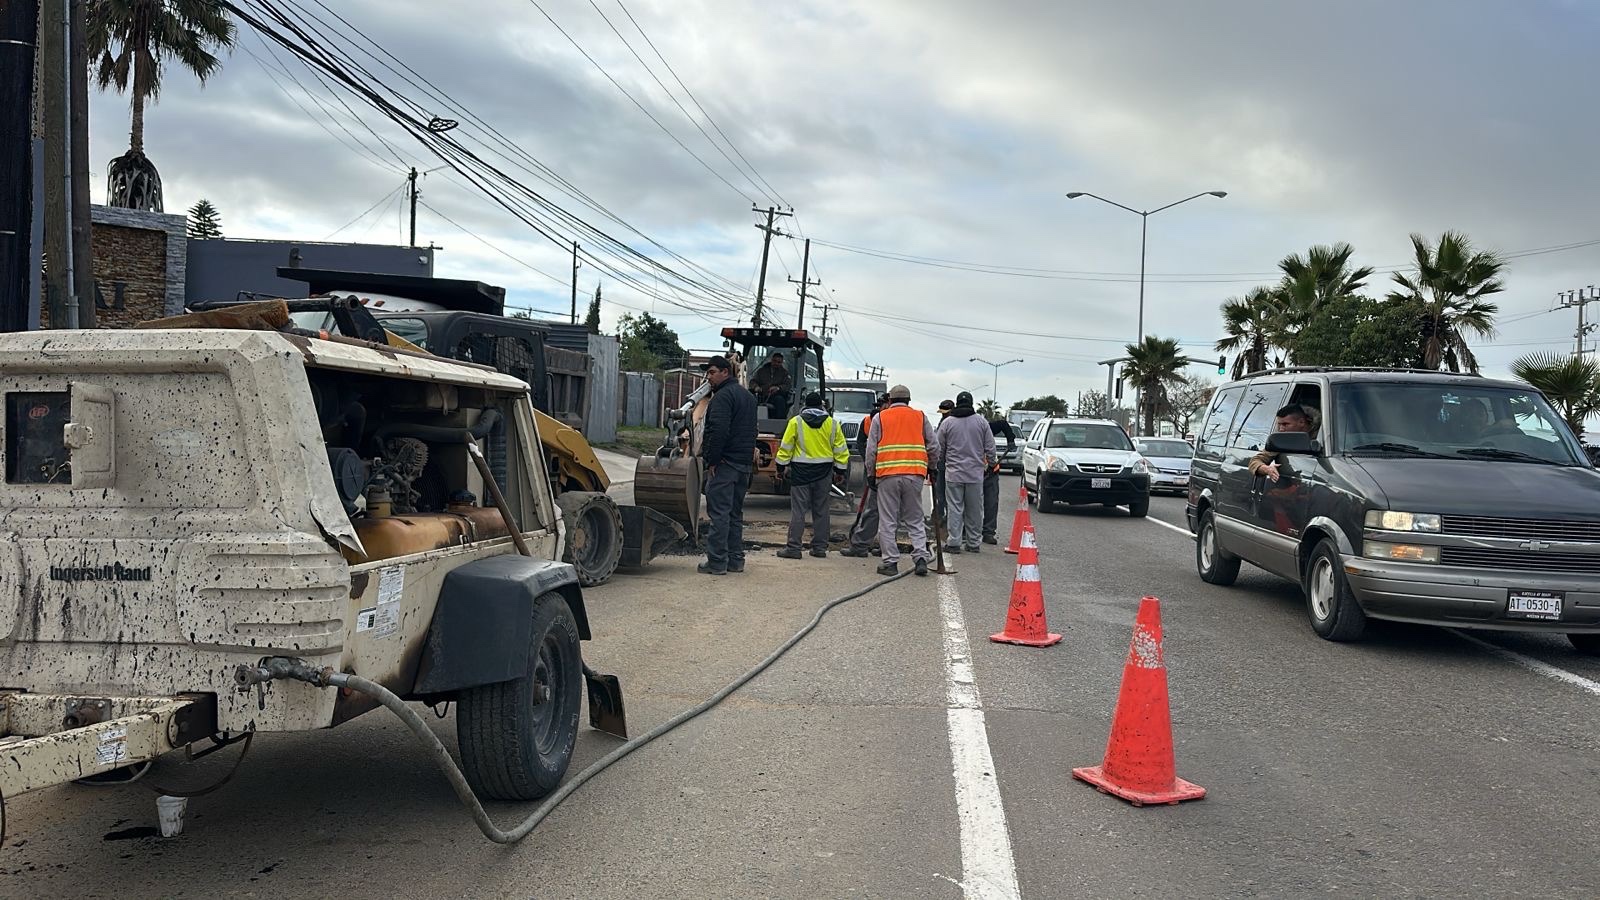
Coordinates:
725 507
991 503
865 533
812 498
900 506
963 509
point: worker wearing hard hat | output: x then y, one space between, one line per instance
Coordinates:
900 448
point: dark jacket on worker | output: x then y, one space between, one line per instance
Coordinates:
730 433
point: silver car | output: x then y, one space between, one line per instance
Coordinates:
1169 463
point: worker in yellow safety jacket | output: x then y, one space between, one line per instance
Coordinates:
900 449
812 456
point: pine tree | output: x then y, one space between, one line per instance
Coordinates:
592 320
204 221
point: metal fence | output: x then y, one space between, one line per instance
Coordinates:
601 425
639 398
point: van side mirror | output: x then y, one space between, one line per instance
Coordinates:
1290 442
1032 445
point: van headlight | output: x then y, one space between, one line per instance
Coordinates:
1141 466
1057 464
1402 552
1390 520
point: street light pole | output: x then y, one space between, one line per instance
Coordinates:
995 396
1144 230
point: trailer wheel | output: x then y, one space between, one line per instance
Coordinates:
516 737
594 535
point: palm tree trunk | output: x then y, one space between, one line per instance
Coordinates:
136 131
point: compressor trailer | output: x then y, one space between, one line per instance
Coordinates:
187 512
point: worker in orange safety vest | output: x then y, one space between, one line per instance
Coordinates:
900 447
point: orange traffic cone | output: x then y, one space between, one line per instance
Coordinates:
1138 765
1025 619
1020 519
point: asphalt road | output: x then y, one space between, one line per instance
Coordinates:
888 757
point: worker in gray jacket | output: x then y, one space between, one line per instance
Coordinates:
968 451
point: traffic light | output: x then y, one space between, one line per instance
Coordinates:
1222 365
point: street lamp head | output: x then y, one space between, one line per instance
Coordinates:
1075 195
1218 194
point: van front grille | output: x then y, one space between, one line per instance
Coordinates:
1530 560
1566 531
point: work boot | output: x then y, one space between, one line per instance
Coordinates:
705 569
819 553
952 548
973 549
735 568
921 567
788 553
855 552
989 539
891 568
877 551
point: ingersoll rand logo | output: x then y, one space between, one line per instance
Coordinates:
113 572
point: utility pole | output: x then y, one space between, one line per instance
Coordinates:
411 182
19 22
875 372
1580 298
78 119
575 266
55 100
805 268
825 331
766 243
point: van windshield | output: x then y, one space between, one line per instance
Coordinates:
1086 437
1453 421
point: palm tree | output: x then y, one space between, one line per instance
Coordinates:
132 39
1309 283
989 409
1250 322
1451 281
1570 383
1151 366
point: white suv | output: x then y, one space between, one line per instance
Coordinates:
1083 461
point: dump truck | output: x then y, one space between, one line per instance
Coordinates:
206 527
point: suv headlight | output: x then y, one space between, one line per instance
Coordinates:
1057 464
1390 520
1141 466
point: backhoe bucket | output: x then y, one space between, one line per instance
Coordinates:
606 712
646 534
669 485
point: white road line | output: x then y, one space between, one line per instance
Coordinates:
1178 528
1531 664
988 869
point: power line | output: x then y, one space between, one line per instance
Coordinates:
641 106
697 105
383 202
512 151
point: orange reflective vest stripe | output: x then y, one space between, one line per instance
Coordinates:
901 448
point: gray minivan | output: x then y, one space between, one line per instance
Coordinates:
1418 497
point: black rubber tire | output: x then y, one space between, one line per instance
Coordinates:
1587 644
593 535
1224 567
1140 508
513 747
1345 620
1046 505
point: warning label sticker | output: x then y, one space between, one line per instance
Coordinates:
384 619
113 749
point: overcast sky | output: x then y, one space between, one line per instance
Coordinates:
949 130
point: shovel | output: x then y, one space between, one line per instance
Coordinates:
606 712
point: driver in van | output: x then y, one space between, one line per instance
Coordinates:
1294 417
